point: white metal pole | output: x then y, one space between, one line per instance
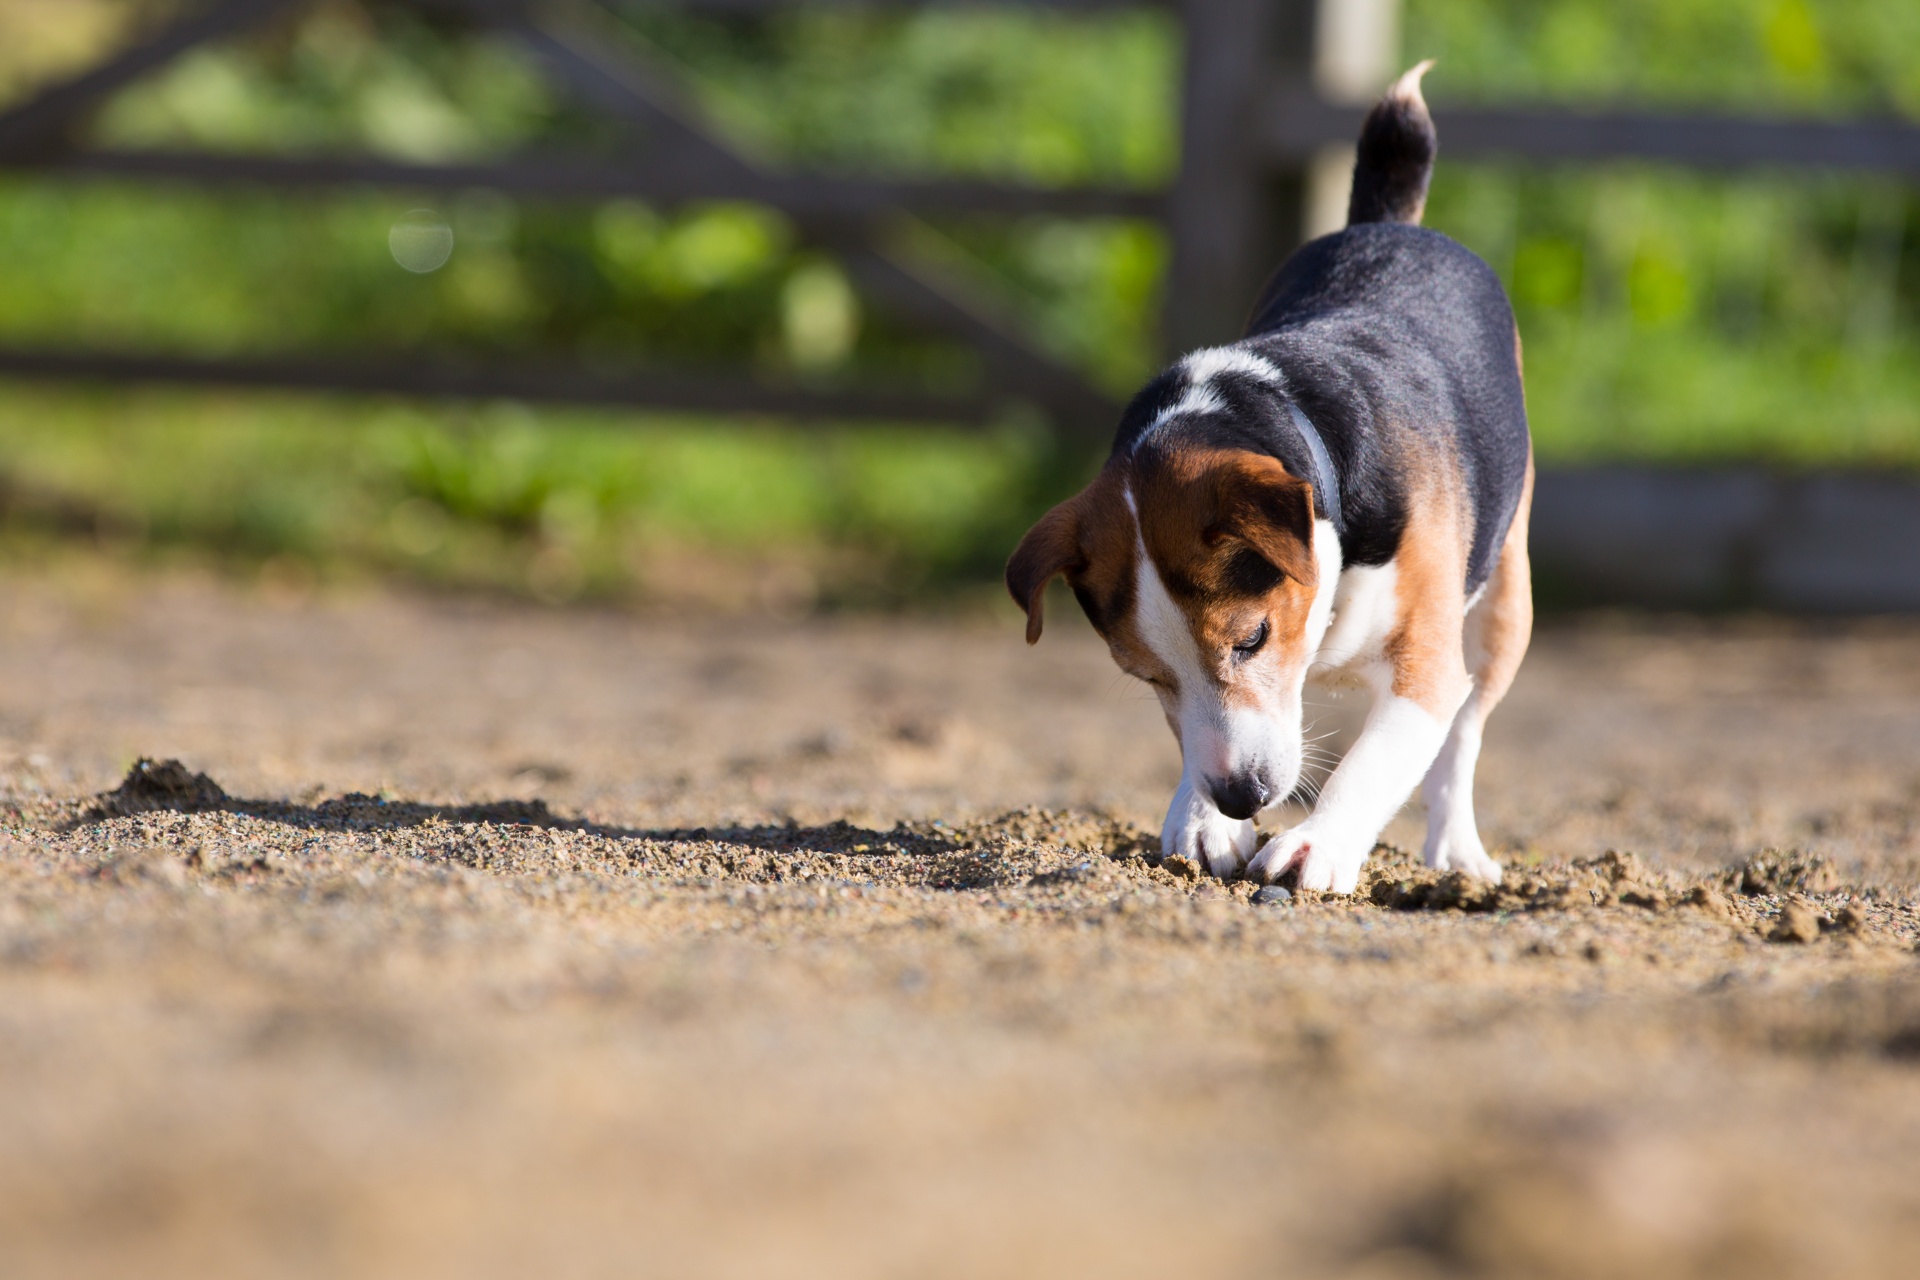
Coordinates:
1355 47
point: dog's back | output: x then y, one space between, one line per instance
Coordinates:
1395 338
1397 342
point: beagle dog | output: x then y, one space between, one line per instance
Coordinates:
1340 496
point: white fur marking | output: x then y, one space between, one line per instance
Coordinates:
1197 400
1327 560
1365 609
1209 363
1201 368
1162 625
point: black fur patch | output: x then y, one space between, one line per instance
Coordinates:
1249 574
1102 613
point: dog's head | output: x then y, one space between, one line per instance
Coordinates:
1198 566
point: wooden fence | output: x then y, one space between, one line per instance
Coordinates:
1254 118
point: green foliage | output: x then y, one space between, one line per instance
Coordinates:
562 503
1052 98
335 81
1851 56
1676 316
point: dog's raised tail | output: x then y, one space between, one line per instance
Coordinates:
1397 146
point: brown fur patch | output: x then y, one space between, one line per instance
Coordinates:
1425 647
1090 539
1200 507
1051 548
1505 613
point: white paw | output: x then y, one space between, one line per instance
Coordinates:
1200 833
1463 852
1328 861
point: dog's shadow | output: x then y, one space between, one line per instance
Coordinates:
167 785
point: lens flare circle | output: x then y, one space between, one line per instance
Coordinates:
421 241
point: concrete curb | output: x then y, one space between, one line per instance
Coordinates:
1819 542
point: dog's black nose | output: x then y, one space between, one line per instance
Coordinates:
1241 796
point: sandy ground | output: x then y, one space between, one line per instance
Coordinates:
520 942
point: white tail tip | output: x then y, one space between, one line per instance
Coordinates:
1407 87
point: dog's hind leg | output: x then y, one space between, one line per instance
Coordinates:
1498 628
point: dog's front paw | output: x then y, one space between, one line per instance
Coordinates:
1200 833
1327 860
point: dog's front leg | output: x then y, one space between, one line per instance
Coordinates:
1197 831
1401 739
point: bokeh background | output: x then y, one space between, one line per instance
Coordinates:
1670 315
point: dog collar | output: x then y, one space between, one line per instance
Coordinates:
1326 486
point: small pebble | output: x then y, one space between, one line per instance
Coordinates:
1272 895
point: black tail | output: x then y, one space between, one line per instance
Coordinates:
1397 145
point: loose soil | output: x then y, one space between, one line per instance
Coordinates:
375 936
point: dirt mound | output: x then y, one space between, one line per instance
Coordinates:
158 784
1783 871
1613 879
1787 898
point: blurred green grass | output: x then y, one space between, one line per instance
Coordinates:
1668 316
562 504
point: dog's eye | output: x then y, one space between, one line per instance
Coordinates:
1251 645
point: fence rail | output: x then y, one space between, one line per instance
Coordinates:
1298 124
478 379
595 178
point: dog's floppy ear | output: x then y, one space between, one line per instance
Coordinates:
1051 547
1259 503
